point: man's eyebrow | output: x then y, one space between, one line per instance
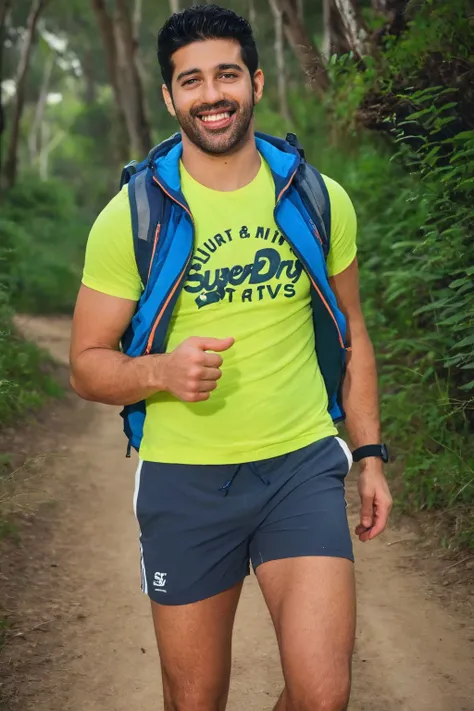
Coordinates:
187 73
223 67
220 67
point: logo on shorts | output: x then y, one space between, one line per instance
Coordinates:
159 581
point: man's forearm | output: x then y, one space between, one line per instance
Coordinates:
360 392
108 376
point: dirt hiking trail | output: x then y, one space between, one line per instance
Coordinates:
85 640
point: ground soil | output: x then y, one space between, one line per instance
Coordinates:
80 636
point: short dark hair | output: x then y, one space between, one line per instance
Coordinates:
199 23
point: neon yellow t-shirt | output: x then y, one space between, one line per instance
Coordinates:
244 281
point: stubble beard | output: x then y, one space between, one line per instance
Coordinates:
223 141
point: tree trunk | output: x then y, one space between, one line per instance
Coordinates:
35 138
394 12
280 60
137 20
307 54
335 34
90 88
12 154
354 28
130 82
4 7
174 6
389 6
106 29
252 15
327 34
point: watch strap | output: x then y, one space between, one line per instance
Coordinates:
370 450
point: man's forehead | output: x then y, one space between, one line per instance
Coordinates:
207 54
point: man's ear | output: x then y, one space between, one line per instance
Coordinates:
168 100
258 84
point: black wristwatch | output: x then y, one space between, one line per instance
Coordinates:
371 450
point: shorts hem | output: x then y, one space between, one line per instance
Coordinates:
177 600
326 553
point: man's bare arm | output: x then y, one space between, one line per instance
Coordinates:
361 404
100 372
360 390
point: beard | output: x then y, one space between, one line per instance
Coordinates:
220 141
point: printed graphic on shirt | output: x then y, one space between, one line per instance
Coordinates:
244 282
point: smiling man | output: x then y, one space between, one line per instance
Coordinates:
220 305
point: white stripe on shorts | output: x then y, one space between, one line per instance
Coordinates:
138 474
347 452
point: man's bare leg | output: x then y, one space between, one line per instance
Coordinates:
194 642
312 604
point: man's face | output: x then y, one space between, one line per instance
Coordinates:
213 95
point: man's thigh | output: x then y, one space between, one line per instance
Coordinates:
312 604
302 554
194 642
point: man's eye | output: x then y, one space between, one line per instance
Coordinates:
228 75
188 82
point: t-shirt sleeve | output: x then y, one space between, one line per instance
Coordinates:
343 247
110 265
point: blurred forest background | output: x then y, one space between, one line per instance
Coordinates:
380 94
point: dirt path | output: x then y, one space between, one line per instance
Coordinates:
87 642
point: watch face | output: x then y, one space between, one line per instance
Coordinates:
384 452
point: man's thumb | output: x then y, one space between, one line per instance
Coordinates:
216 344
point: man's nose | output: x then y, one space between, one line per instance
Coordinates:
211 92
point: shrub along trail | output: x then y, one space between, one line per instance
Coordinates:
86 633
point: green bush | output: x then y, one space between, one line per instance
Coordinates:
24 377
414 196
43 236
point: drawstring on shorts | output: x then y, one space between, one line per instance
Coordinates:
226 487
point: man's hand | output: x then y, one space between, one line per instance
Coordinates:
376 501
190 373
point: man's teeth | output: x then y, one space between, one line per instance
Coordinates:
215 117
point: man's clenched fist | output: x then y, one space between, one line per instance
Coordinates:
190 372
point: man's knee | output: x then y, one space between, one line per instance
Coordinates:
195 697
331 695
194 704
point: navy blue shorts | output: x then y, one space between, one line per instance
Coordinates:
200 526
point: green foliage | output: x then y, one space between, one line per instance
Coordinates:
43 237
24 377
414 200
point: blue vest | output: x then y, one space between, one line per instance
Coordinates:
163 232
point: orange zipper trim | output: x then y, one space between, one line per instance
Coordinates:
158 318
341 340
157 234
171 197
171 294
287 186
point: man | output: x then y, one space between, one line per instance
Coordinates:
239 459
